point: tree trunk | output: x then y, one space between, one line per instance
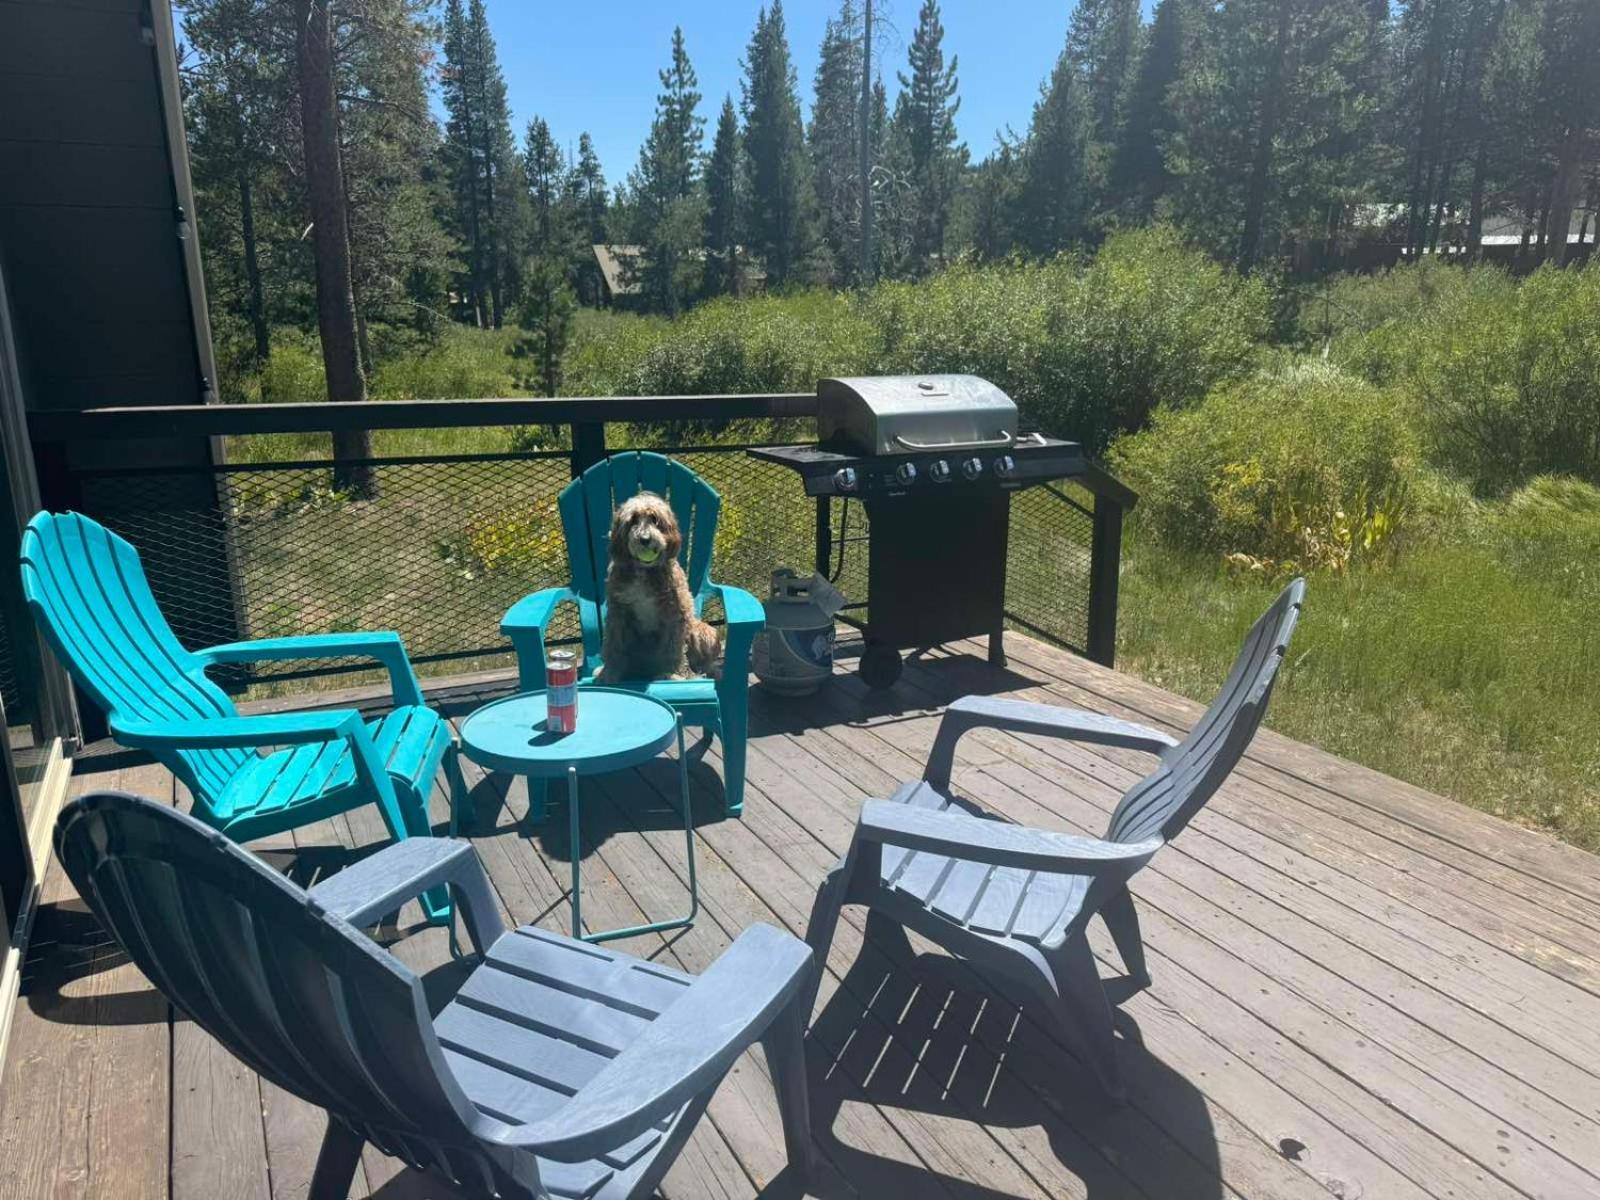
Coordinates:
1475 214
336 305
864 147
1563 196
1261 164
474 230
255 303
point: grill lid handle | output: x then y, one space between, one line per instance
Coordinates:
1005 441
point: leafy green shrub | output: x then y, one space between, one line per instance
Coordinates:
509 539
1304 468
1086 351
762 344
462 364
1501 376
1506 385
604 348
1374 324
292 375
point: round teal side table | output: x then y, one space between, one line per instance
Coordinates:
617 729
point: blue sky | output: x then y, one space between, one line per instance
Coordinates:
592 66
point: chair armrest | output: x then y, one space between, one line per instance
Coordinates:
367 891
524 626
534 612
685 1051
221 733
745 618
1021 716
739 606
999 843
385 646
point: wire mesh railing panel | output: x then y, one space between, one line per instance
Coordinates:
447 543
1047 562
440 551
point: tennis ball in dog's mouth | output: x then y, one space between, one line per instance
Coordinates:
646 554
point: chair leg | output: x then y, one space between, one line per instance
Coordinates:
336 1162
784 1045
1085 1013
462 810
825 911
1122 921
733 724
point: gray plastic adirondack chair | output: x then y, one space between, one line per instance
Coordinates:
1016 901
559 1069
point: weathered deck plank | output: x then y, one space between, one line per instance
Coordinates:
1359 988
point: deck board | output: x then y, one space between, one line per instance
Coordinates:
1359 988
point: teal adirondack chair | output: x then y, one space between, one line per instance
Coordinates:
586 506
88 592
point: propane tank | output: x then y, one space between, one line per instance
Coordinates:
793 655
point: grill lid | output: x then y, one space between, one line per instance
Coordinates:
900 414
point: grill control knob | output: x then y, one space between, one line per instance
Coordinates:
972 468
906 473
845 479
1005 466
939 471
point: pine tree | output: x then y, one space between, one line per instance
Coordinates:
545 316
778 198
832 137
589 193
478 154
1264 106
1571 102
721 234
927 119
1103 43
1053 199
235 92
399 252
993 205
664 184
550 204
1139 176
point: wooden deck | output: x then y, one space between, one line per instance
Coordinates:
1361 989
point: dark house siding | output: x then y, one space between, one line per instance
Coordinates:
108 307
89 210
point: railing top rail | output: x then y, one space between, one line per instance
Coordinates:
209 420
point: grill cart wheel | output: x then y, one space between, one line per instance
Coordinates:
880 666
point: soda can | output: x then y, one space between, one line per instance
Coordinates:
561 691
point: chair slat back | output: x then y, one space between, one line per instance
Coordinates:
1167 799
89 594
296 994
588 502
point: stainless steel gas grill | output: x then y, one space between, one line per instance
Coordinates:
934 460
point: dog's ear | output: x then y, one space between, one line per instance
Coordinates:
620 522
669 529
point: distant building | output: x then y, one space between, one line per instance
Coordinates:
622 266
1380 236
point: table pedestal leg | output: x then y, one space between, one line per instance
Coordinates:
682 922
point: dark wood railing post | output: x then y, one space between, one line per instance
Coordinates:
588 445
1105 561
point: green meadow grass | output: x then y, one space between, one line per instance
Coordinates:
1449 669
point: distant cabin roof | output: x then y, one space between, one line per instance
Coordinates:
622 266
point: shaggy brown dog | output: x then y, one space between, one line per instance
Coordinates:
651 631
